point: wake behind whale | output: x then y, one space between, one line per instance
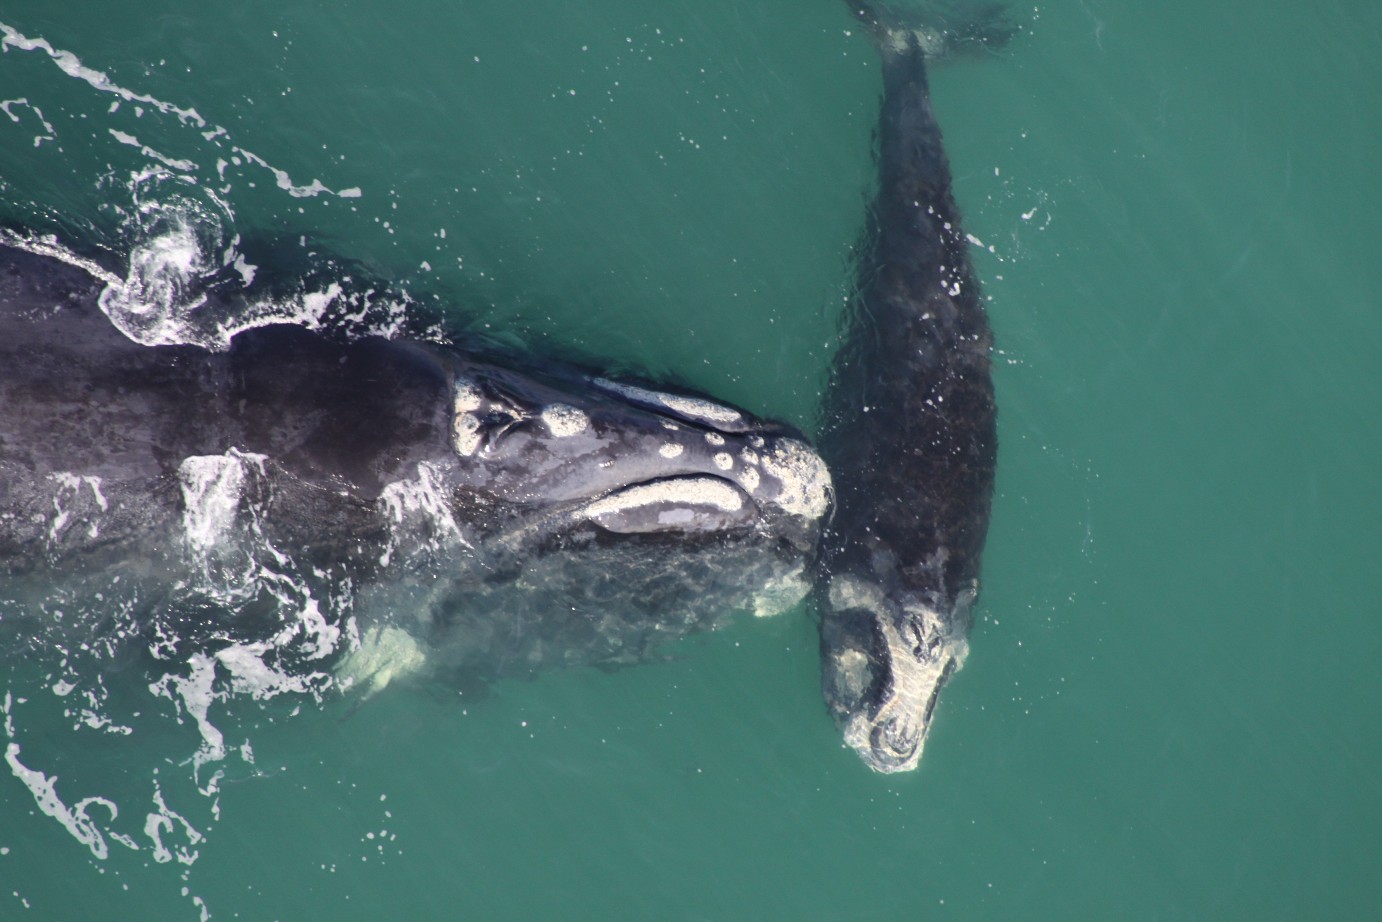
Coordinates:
327 504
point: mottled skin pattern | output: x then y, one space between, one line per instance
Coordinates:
564 522
909 435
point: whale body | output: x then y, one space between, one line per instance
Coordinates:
909 429
505 519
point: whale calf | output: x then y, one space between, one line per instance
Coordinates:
909 426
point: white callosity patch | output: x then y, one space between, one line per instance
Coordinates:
465 425
465 434
681 492
714 438
692 408
670 450
804 485
564 421
385 653
723 460
467 396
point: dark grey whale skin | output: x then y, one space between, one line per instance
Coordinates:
545 554
910 436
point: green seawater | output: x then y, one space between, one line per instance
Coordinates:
1171 705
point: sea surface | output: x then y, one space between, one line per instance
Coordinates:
1172 707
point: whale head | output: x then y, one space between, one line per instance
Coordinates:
884 662
576 520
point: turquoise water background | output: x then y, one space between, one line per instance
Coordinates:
1171 706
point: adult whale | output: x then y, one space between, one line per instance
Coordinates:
296 484
909 426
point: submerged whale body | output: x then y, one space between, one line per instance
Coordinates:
379 505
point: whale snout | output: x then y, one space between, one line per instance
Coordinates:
883 666
629 459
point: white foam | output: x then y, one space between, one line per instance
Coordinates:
285 182
195 694
73 819
71 65
427 498
211 489
186 166
47 125
164 821
49 246
321 636
69 488
250 675
151 306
